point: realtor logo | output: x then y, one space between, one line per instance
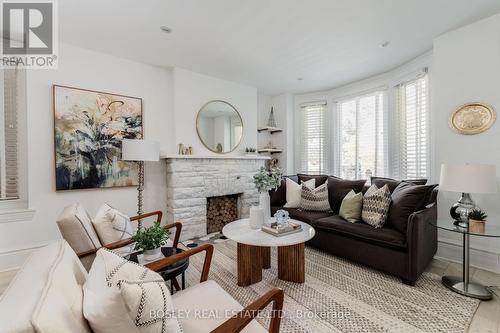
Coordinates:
29 34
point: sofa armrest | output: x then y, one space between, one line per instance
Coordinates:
422 239
239 321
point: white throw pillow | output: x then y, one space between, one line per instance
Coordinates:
111 225
103 304
294 191
151 306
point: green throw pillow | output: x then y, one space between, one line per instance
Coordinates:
351 207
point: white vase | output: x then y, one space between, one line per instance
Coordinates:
256 217
265 204
152 254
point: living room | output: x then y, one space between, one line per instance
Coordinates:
169 110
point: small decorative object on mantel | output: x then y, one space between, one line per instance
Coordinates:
250 151
184 150
472 118
266 181
271 122
150 240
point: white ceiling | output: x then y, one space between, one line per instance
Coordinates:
268 43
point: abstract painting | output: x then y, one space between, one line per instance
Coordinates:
88 129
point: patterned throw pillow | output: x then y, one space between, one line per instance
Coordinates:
108 308
150 306
315 199
376 205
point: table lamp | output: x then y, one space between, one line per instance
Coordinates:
466 179
140 151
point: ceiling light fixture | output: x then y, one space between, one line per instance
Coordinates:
299 79
166 29
383 44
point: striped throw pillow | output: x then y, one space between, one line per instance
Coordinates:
376 203
315 199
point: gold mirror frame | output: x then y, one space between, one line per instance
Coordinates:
198 129
466 119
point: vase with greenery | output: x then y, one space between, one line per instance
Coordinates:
150 240
265 181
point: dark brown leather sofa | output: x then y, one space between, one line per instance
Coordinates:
404 246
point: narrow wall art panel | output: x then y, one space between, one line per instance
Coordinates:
88 129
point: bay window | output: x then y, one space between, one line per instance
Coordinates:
313 143
361 150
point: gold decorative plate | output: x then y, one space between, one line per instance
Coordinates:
472 118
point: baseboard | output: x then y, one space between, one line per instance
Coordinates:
452 250
11 259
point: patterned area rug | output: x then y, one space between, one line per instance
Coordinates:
341 296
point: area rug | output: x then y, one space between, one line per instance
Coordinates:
341 296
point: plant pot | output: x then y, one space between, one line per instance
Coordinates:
265 204
152 254
476 226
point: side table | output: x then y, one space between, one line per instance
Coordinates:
463 285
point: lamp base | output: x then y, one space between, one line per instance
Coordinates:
460 210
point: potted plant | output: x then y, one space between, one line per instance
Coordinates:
150 240
477 217
265 181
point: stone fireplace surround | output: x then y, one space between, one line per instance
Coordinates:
191 179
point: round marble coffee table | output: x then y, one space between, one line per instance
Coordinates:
254 251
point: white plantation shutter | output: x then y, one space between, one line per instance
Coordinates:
313 143
362 147
413 158
9 186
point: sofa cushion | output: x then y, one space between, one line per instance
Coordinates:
351 207
278 196
318 179
111 225
103 305
406 199
150 306
376 203
50 282
301 215
385 236
338 189
392 183
315 199
76 228
208 297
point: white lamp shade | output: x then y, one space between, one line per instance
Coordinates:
468 178
140 150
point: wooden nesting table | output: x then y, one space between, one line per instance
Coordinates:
254 252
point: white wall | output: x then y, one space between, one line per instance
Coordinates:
466 68
192 90
84 69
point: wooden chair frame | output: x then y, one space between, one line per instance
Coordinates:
239 321
125 242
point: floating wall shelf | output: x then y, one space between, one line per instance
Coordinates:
270 129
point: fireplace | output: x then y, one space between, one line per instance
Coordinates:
221 210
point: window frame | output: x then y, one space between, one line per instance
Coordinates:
337 129
14 206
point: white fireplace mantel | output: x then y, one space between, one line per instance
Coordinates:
221 156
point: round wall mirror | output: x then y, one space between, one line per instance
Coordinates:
219 126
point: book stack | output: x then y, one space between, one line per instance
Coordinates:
282 230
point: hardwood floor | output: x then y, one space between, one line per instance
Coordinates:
486 319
